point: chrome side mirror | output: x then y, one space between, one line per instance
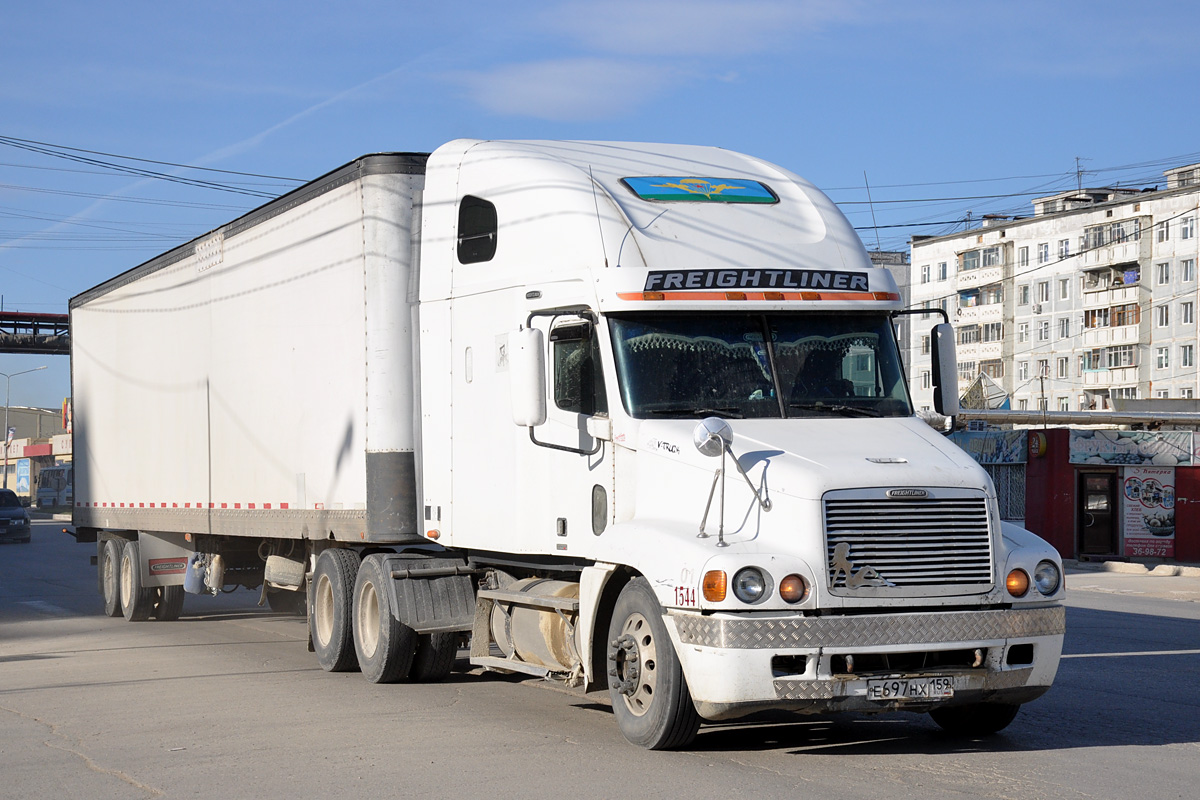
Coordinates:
712 435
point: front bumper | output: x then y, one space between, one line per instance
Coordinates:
738 664
15 532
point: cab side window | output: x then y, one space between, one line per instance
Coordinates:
578 378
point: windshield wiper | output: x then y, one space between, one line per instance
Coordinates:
841 410
731 413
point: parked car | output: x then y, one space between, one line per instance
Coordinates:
14 519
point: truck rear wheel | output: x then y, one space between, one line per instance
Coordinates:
110 577
975 719
650 696
169 603
137 601
329 620
384 644
434 657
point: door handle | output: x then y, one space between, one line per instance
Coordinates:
1089 520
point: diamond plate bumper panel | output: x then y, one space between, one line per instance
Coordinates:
873 630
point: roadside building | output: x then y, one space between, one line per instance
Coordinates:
1092 299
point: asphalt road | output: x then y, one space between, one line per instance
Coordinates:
229 703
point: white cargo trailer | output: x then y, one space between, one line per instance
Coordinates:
715 499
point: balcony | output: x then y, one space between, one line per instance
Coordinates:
1101 337
1110 254
1113 296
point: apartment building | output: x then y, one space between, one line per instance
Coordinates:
1091 299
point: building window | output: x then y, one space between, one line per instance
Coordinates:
1187 227
1095 318
1023 295
1064 328
1187 392
924 345
941 271
1162 316
925 274
1064 288
966 370
1122 356
1023 332
1022 405
968 260
1043 292
1187 270
1022 256
1162 394
1043 368
1162 231
1023 371
1188 312
1064 248
1187 355
1041 404
993 331
1124 393
1163 271
926 381
1162 358
1063 366
993 368
1064 404
1044 253
968 334
1128 314
1044 331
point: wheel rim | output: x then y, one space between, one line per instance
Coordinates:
367 624
636 660
323 610
110 576
126 582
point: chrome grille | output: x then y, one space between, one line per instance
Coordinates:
908 542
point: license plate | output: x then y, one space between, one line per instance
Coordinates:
933 688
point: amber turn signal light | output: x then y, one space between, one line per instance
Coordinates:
1017 583
715 585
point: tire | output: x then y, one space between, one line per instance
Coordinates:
330 602
136 601
649 693
110 576
384 645
975 719
434 657
286 601
169 603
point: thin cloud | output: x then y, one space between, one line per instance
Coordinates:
701 28
578 89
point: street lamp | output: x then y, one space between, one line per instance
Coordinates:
8 384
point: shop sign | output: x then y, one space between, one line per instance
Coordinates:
1148 502
992 447
1131 448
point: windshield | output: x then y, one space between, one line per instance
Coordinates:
758 365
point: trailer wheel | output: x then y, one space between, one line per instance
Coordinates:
110 577
975 719
384 644
137 601
434 657
329 619
650 696
169 603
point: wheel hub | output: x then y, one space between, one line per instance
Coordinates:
632 660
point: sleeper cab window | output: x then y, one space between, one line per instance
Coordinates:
476 230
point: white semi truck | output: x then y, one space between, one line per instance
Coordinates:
619 414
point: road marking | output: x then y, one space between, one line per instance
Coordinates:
45 608
1142 653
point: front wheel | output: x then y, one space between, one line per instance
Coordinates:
650 696
975 719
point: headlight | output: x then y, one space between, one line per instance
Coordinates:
793 588
749 585
1047 577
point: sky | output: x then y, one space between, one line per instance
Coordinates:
946 110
